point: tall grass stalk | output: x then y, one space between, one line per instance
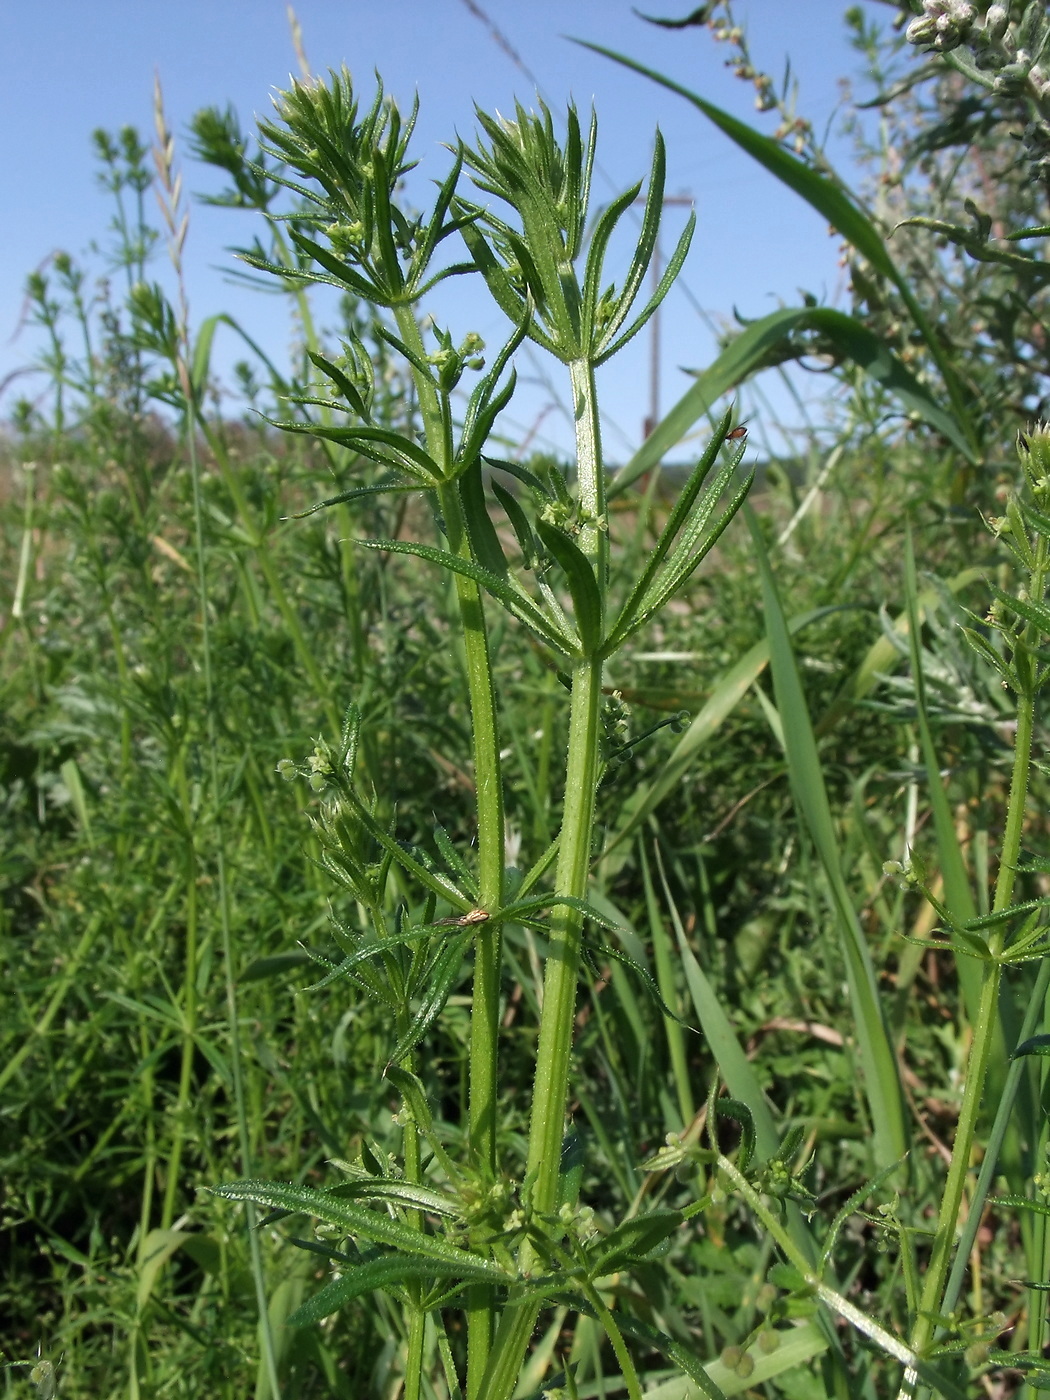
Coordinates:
177 222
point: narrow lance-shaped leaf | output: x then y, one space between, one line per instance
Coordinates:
387 448
687 557
644 247
514 600
336 272
594 274
354 1219
675 520
342 381
486 545
586 600
441 976
519 524
379 1273
667 279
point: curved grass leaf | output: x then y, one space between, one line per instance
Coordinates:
796 1346
958 895
721 703
749 352
836 205
736 1069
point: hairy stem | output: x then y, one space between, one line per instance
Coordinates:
484 1020
551 1082
550 1086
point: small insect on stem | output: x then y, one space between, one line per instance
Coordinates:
467 920
735 434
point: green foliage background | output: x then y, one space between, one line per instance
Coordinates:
116 1080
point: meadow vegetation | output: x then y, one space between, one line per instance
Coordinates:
474 927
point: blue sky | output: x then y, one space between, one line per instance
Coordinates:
68 68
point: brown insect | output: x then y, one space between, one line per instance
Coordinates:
740 431
468 920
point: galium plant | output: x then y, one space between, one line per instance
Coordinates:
514 1237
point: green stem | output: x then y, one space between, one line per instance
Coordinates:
551 1082
833 1300
413 1173
550 1089
484 1020
232 1011
189 1019
990 1162
619 1346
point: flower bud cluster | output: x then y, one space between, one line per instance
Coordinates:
736 1359
1033 448
726 31
450 362
943 24
1010 52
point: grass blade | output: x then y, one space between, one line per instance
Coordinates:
749 352
830 200
879 1065
721 703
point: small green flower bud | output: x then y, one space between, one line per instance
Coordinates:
922 30
976 1354
766 1297
318 782
996 19
1010 80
